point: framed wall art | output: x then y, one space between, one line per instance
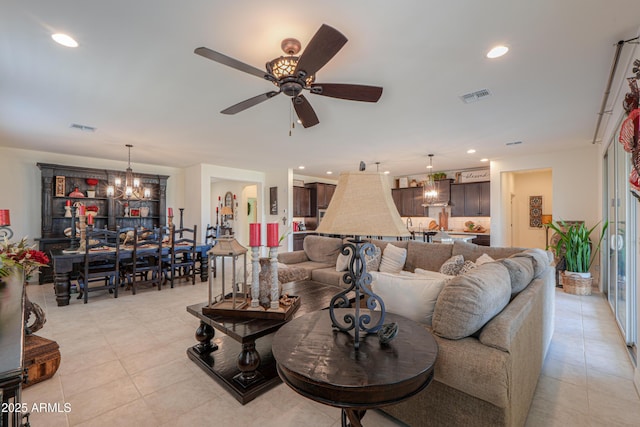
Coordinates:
60 186
273 200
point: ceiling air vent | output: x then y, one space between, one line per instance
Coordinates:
468 98
82 127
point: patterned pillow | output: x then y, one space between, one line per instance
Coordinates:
452 266
466 267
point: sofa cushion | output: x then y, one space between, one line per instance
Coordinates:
467 267
469 301
520 271
427 256
322 249
452 266
429 273
483 259
471 251
539 258
410 295
393 259
328 275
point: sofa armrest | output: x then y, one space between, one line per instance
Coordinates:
292 257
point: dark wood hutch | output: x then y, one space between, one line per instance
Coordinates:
111 210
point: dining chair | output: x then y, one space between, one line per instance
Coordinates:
146 260
210 239
101 262
182 260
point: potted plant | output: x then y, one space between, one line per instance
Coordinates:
575 245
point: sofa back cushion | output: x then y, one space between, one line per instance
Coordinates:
410 295
427 256
538 257
322 249
520 271
469 301
393 259
471 251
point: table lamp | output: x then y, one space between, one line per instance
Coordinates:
5 222
361 206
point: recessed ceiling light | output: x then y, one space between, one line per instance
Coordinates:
387 172
300 167
484 160
329 172
497 52
64 40
471 151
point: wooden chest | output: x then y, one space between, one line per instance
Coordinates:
41 359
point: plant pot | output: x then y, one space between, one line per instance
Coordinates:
577 283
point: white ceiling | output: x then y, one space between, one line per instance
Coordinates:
136 79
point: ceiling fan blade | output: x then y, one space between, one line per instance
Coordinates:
323 46
230 62
347 91
304 111
241 106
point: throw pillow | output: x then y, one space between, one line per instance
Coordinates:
521 271
393 259
431 274
469 301
452 266
372 261
484 258
466 267
409 295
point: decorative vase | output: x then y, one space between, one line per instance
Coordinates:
91 193
266 279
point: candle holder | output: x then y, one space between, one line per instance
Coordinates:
275 288
82 224
255 276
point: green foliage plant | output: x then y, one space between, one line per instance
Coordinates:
576 246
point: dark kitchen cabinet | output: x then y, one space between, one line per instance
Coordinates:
320 195
301 202
471 199
409 201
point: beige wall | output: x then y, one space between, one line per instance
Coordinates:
526 184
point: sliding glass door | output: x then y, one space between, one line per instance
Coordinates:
619 249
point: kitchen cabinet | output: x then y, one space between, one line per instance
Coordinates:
443 186
471 199
409 201
482 240
320 195
301 202
111 213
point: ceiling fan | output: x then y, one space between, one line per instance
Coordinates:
292 75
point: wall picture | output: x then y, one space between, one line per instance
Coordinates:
273 200
535 211
60 186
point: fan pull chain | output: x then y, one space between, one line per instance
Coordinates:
293 125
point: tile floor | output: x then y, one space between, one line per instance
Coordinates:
124 364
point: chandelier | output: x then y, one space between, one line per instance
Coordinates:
430 189
131 188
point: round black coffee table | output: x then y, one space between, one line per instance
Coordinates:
322 364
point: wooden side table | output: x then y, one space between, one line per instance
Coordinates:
322 364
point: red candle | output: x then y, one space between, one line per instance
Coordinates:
272 235
81 210
170 210
4 217
90 220
254 234
68 202
217 208
234 197
218 198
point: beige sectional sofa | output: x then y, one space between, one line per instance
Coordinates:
493 325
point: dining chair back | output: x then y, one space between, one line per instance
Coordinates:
146 260
182 260
101 262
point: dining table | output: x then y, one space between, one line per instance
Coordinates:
67 262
